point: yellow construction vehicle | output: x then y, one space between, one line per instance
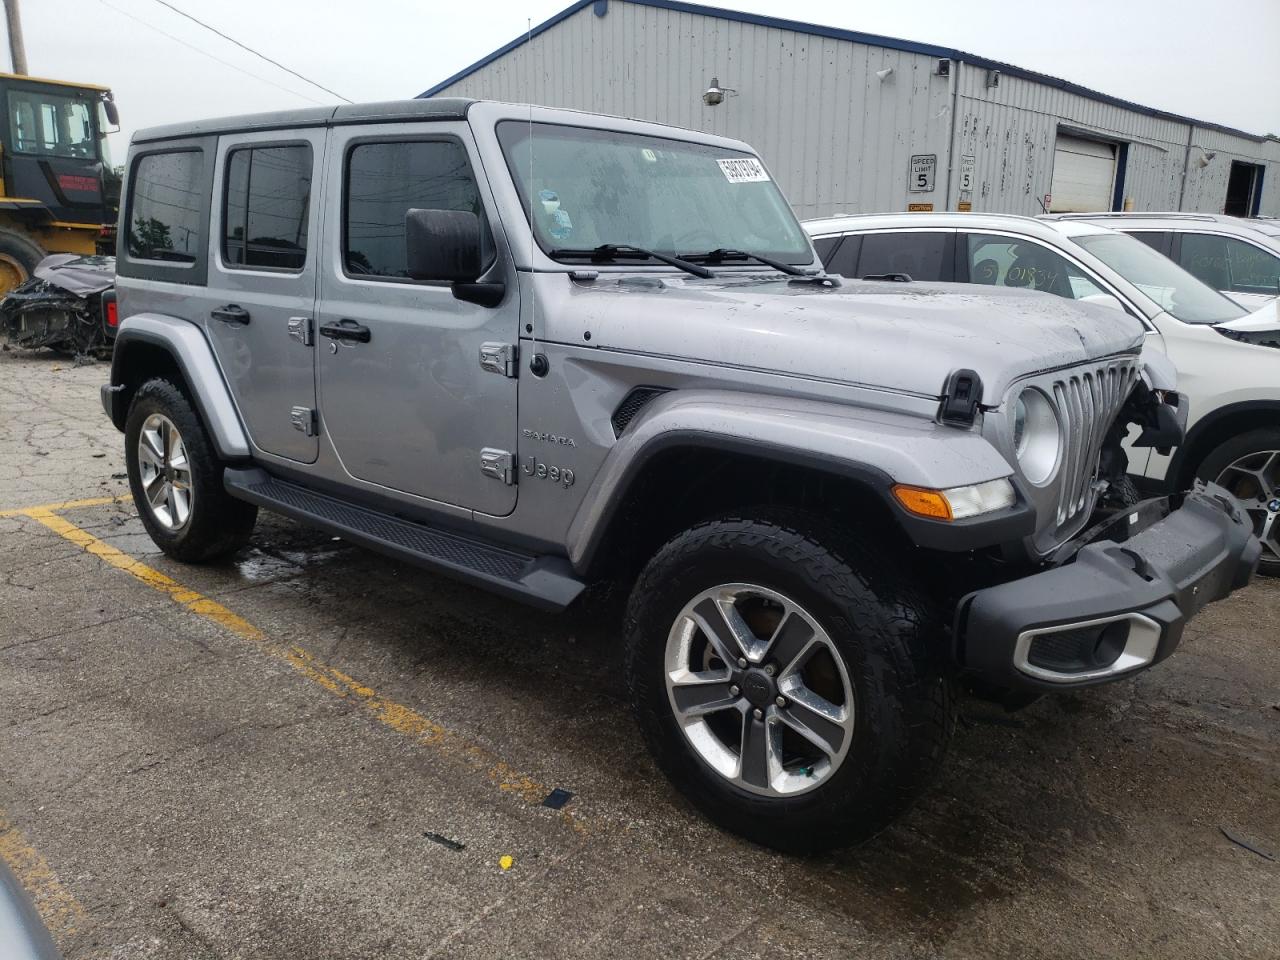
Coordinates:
58 192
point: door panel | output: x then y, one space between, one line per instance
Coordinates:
410 408
260 298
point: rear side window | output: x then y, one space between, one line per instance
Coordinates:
165 212
918 255
384 182
264 212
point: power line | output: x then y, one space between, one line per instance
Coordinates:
206 53
262 56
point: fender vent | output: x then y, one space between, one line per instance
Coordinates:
633 403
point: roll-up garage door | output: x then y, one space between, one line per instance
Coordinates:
1084 175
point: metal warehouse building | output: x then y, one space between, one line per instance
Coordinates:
856 123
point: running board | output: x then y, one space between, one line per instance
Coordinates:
544 581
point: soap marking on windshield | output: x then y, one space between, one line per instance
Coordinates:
743 170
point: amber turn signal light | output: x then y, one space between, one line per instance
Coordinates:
922 502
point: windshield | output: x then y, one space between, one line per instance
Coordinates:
588 187
52 124
1177 292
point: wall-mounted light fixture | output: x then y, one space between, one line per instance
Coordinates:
715 93
993 78
884 74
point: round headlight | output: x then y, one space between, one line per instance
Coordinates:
1036 436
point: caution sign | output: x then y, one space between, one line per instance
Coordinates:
919 208
964 206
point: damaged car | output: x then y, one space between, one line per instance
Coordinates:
69 304
540 350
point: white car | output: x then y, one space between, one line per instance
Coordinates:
1228 360
1236 256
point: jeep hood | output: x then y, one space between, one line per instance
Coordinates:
905 337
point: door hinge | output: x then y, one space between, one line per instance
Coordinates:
300 330
499 464
304 419
503 358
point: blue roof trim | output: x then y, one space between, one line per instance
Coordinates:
869 39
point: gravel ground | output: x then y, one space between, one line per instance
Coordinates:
268 767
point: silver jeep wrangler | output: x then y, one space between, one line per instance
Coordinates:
536 349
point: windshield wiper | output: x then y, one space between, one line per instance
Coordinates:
722 254
614 251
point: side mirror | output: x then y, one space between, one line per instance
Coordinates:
443 245
113 114
1103 300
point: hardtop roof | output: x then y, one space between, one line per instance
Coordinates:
387 111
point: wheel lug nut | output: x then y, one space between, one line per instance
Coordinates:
781 701
759 714
770 669
742 662
734 691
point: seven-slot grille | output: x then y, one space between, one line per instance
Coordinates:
1087 401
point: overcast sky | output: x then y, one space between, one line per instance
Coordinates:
1213 61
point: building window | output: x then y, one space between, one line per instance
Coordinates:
384 182
264 212
166 209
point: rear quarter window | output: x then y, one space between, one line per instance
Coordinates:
165 227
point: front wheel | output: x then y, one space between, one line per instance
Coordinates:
790 686
1249 467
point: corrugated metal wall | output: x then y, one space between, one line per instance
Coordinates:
837 137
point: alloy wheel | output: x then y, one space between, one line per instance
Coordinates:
759 690
165 472
1254 479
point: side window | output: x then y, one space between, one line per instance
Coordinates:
1253 270
264 210
918 255
165 210
826 246
1157 240
844 258
1205 256
384 182
1010 262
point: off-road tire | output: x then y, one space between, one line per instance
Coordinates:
887 633
219 524
1232 450
20 252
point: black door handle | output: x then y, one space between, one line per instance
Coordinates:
346 330
231 313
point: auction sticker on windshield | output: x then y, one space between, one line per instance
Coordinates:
743 170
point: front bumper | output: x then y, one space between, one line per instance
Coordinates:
1117 598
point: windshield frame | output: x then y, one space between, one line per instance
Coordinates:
548 247
1174 271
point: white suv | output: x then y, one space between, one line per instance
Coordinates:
1236 256
1228 361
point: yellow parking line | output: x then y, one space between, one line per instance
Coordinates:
404 720
65 505
59 910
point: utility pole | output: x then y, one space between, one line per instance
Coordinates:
17 51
